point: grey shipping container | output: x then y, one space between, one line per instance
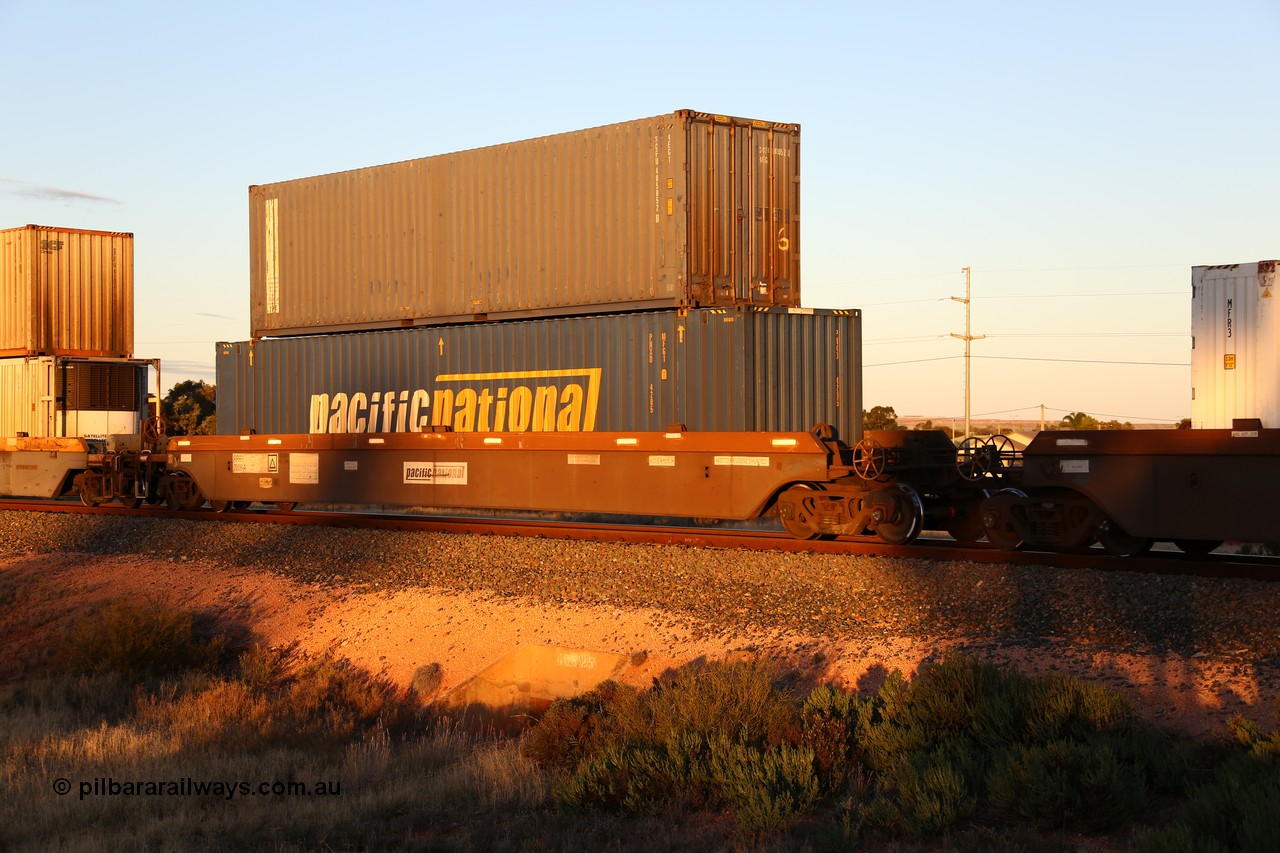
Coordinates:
66 291
679 210
774 369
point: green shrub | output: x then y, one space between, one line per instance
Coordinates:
580 728
1067 784
738 700
1234 810
830 720
1059 706
768 787
1250 735
928 792
138 639
953 698
322 701
637 778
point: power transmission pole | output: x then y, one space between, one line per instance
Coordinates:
967 338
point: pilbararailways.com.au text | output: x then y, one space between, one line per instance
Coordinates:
227 789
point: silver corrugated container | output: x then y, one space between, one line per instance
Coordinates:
1235 345
66 291
710 369
686 209
64 397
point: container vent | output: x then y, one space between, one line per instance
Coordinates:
99 387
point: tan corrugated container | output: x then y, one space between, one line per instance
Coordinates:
66 291
686 209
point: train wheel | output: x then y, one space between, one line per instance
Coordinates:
800 525
129 501
183 493
220 506
1001 531
1118 543
910 517
1197 547
82 490
286 506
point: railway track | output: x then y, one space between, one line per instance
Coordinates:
928 547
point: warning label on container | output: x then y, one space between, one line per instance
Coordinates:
304 468
744 461
584 458
662 462
1075 466
439 473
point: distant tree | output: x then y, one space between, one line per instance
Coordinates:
880 417
1115 425
1079 420
189 408
1185 423
929 425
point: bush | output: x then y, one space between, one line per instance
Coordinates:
927 792
138 639
1236 808
314 702
708 735
829 723
1067 784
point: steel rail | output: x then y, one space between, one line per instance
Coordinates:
925 548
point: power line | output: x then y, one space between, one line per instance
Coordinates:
1036 296
1083 295
1090 335
914 361
1031 358
1087 361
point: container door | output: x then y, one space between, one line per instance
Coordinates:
744 211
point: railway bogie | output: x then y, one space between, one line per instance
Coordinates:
1128 489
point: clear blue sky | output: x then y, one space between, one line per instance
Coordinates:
1080 157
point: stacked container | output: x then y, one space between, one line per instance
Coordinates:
680 210
644 274
1235 345
66 334
738 369
66 291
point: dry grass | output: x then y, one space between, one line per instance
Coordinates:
133 705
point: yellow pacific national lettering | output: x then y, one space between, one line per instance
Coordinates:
507 401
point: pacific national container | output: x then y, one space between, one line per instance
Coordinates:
66 291
1235 345
66 397
679 210
709 369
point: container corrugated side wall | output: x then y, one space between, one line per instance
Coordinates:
710 369
66 292
25 402
1235 356
660 212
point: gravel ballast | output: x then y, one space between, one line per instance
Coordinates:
1070 617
